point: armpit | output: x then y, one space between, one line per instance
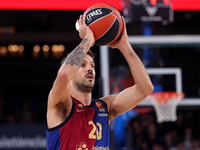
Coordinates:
61 109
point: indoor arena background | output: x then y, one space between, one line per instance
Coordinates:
36 35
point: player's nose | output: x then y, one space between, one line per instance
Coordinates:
90 69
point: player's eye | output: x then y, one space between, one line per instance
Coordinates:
82 65
92 65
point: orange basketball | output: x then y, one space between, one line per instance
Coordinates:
106 23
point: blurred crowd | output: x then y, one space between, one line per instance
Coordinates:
13 110
183 134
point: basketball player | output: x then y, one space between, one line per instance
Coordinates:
75 121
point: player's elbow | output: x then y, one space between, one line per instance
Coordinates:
63 75
149 89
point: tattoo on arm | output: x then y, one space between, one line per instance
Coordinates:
77 55
84 40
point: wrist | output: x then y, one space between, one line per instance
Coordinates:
124 46
90 39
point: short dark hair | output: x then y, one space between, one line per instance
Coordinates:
90 53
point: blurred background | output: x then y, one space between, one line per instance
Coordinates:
36 35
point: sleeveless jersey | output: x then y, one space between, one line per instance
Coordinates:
86 128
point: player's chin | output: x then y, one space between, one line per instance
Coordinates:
91 83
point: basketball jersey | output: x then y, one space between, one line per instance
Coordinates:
86 128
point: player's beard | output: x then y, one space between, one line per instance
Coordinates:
84 85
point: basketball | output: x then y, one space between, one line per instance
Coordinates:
106 23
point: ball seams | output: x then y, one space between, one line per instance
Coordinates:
109 29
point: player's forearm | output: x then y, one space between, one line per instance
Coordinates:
138 70
75 58
62 87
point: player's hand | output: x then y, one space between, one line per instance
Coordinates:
84 30
123 39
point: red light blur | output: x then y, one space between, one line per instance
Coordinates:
55 4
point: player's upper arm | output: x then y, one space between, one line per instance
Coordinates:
124 101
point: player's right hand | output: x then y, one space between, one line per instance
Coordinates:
84 30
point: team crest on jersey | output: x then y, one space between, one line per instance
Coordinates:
80 105
100 107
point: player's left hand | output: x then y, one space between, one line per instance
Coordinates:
123 39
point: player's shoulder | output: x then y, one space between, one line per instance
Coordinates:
108 99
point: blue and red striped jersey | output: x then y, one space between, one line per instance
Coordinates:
86 128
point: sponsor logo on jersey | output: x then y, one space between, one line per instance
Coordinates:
82 146
81 106
80 110
101 148
103 115
100 107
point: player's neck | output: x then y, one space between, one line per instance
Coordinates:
84 98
